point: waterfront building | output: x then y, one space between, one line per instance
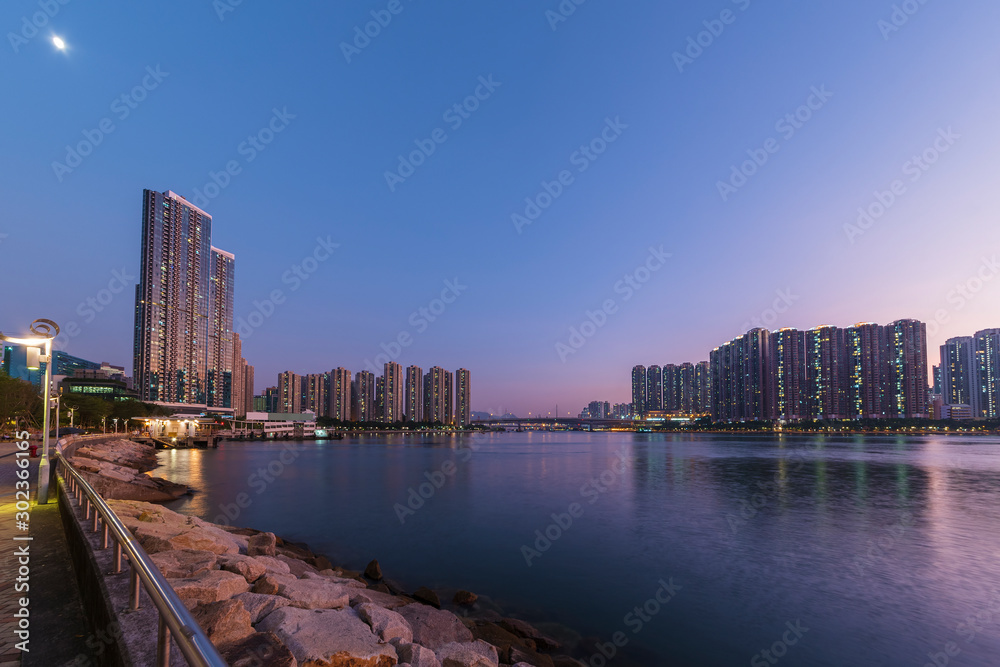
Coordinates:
671 388
960 373
907 369
741 378
314 399
938 380
182 348
988 373
463 397
340 395
260 404
413 406
16 364
866 368
825 372
702 389
363 397
787 370
437 396
685 388
654 388
289 392
638 391
394 392
272 397
380 398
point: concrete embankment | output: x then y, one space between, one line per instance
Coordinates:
265 601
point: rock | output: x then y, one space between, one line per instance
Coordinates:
416 655
320 563
207 587
157 537
271 583
297 567
225 621
467 654
259 605
427 596
315 594
523 629
328 638
434 628
465 598
534 658
350 583
388 625
180 563
381 599
246 566
502 639
260 648
374 571
262 544
380 587
273 564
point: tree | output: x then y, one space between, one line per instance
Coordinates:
20 403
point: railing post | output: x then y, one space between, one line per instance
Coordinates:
162 644
96 519
107 535
86 513
118 557
133 586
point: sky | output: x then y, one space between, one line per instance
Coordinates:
620 184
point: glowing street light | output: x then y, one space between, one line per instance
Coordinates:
58 42
44 332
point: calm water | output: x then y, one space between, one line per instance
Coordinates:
884 550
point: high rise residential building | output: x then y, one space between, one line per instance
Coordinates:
741 378
413 406
260 404
825 372
988 373
960 373
289 392
654 388
906 342
380 398
463 398
395 392
239 383
702 389
671 388
272 397
314 399
864 380
339 398
639 391
685 388
788 376
182 349
936 373
363 397
437 396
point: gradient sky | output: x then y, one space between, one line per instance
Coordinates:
323 176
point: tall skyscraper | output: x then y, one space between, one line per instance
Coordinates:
437 396
380 398
702 388
363 397
413 406
988 373
182 350
866 367
788 377
392 375
272 399
685 388
741 378
239 382
340 395
315 398
654 388
906 342
463 397
960 373
671 388
289 392
825 372
639 391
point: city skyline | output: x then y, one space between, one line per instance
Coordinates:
817 185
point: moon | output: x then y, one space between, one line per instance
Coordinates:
59 43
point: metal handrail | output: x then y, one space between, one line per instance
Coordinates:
174 618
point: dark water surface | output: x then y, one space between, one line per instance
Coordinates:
879 550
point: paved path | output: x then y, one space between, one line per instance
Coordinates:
58 624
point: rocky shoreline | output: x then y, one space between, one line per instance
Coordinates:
265 601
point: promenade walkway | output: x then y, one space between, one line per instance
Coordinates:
58 628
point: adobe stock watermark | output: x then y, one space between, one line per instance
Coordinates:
783 301
31 25
751 505
595 320
258 481
591 491
699 43
787 126
223 7
294 277
122 107
635 620
914 169
562 12
582 159
248 150
92 306
779 649
965 292
900 16
879 548
968 629
418 496
454 116
419 321
381 18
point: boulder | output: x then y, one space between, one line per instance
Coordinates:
381 599
297 567
315 594
502 639
465 598
529 656
388 625
523 629
180 563
467 654
434 628
157 537
207 587
328 638
350 583
259 605
225 621
261 544
320 563
246 566
427 596
270 583
416 655
374 571
273 564
260 648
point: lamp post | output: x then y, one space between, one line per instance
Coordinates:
104 425
115 420
72 411
44 332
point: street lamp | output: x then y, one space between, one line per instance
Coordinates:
115 420
72 411
104 425
44 332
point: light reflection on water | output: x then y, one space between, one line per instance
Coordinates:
758 531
